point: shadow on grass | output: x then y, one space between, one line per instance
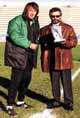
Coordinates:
37 96
5 82
3 107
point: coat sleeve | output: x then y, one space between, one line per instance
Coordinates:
72 39
16 35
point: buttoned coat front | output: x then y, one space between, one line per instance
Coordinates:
55 56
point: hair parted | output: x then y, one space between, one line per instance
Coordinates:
54 9
32 4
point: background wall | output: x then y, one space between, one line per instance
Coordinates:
71 15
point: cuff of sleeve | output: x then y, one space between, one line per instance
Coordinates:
29 43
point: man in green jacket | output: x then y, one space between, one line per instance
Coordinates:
21 53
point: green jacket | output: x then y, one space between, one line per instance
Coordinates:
17 31
19 40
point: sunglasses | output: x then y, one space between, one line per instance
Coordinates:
53 16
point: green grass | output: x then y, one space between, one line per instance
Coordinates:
76 53
76 113
39 89
2 45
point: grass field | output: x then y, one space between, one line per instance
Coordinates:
39 91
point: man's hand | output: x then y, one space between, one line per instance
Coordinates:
63 42
33 46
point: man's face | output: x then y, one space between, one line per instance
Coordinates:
31 13
55 17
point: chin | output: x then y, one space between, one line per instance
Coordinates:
30 19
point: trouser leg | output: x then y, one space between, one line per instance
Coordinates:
27 76
24 85
55 81
67 86
15 81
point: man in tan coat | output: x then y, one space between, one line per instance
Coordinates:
57 39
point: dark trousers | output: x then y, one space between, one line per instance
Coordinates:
20 80
65 76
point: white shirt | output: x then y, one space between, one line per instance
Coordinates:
56 31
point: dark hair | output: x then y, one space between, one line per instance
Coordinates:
54 9
32 4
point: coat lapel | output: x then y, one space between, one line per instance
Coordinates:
63 29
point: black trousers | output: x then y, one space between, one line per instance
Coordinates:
65 76
20 80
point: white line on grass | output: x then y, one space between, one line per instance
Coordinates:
73 78
44 114
47 112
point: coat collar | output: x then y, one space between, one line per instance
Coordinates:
62 29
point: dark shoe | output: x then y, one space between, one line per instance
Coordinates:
12 112
24 105
54 105
68 107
